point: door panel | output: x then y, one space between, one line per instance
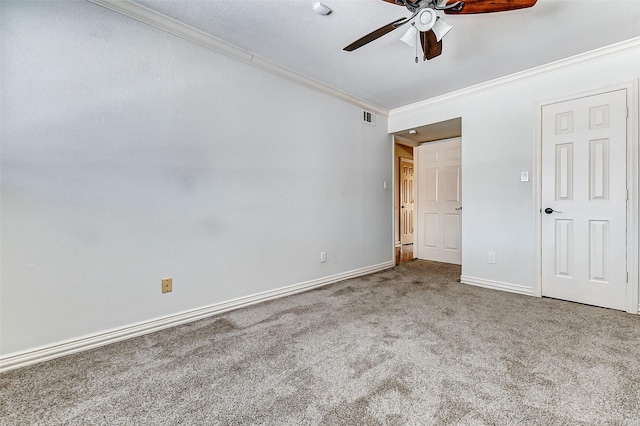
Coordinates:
584 182
439 187
451 227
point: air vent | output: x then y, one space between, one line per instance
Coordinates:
369 117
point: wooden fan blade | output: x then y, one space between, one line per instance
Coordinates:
374 35
394 2
488 6
430 44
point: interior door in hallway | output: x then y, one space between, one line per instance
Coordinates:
439 188
406 201
584 200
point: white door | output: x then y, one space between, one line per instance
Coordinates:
439 199
406 201
584 193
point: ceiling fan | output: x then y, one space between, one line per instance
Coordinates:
430 26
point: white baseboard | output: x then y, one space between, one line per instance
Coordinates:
33 356
497 285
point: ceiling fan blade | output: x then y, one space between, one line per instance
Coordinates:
375 34
487 6
430 44
394 2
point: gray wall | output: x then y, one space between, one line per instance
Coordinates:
129 155
499 138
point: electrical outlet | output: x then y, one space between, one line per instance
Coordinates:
492 257
167 285
323 257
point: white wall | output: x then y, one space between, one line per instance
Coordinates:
498 143
129 155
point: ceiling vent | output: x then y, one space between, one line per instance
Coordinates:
369 117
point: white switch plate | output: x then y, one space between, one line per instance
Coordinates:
384 184
492 257
323 257
524 177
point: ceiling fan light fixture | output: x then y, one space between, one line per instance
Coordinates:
409 37
426 19
441 28
321 9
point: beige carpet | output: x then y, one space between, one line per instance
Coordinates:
405 346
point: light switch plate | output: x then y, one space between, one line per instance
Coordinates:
524 177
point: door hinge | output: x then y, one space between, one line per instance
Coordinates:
626 114
627 277
627 195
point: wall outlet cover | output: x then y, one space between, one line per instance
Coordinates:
167 285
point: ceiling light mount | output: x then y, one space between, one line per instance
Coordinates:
321 9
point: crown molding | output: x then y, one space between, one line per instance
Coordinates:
186 32
582 58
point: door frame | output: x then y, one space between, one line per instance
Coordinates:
633 302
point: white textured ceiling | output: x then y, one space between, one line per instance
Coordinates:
479 48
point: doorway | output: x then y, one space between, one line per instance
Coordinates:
408 218
404 203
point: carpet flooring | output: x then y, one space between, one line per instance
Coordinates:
409 345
